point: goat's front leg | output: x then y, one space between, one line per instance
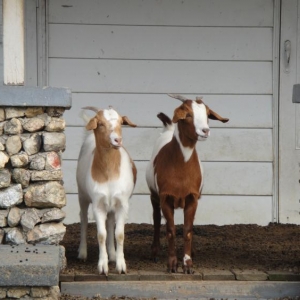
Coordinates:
189 215
168 212
120 216
155 248
110 241
100 215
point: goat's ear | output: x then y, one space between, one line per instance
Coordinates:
126 121
92 124
179 114
214 116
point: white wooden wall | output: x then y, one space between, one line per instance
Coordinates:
130 53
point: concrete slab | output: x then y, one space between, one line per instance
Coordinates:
184 289
35 96
29 265
251 275
283 276
213 274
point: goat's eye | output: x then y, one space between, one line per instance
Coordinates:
189 116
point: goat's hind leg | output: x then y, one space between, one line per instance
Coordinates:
155 248
84 205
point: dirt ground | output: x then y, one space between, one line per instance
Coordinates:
272 247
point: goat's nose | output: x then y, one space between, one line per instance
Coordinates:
205 131
118 141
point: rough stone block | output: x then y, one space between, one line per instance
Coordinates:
2 114
46 175
37 162
2 146
55 125
11 196
14 236
3 217
14 112
53 161
33 111
55 111
18 292
33 144
54 141
29 219
14 217
33 124
13 144
5 178
21 176
49 233
39 292
4 158
43 195
13 126
19 160
53 215
3 292
28 265
2 232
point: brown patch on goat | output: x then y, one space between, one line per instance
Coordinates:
106 165
175 177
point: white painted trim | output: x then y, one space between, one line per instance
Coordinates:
276 70
13 42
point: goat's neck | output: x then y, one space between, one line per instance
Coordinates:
106 164
186 145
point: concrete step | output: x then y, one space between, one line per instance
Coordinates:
30 265
184 289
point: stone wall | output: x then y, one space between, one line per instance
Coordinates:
31 187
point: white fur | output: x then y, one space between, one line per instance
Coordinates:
110 206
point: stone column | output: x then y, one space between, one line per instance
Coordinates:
32 140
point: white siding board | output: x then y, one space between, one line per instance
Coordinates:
167 12
221 178
235 210
179 43
247 111
149 76
223 145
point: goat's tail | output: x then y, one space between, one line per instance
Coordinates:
168 124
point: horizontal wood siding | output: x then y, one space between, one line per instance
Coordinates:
131 53
246 111
223 144
150 76
232 178
257 13
177 43
230 210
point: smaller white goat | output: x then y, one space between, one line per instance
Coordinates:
106 176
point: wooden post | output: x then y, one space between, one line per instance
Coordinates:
13 42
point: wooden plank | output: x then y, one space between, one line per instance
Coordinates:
168 12
223 144
149 76
245 111
235 210
220 178
185 289
179 43
13 42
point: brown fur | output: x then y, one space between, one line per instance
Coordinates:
178 183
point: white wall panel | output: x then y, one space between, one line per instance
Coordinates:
224 178
234 210
150 76
224 144
180 43
167 12
254 111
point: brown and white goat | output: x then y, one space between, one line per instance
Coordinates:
174 174
106 176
